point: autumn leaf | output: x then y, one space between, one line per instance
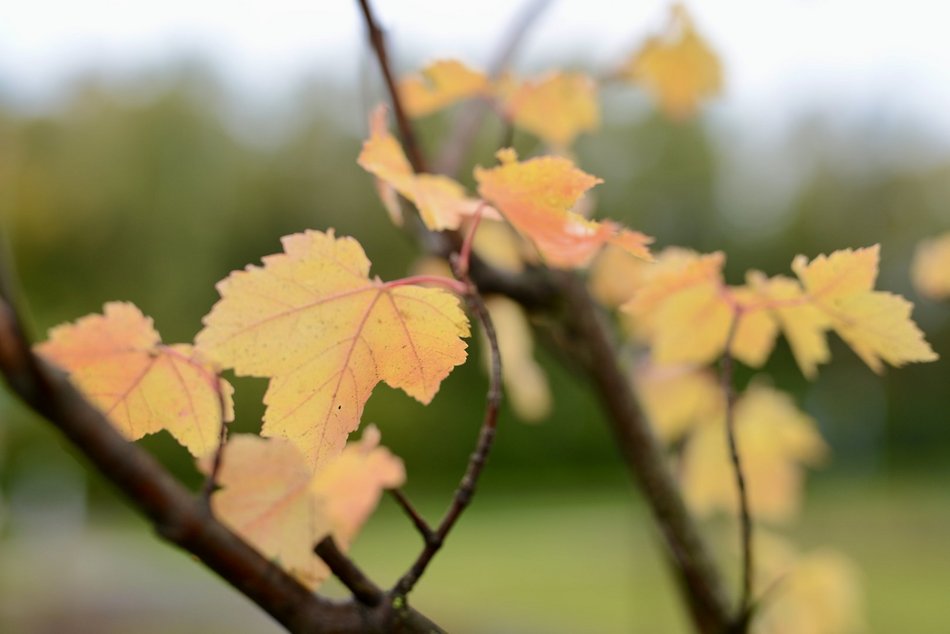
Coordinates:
557 107
930 270
677 398
118 362
678 67
818 592
441 201
439 85
775 440
526 384
313 321
270 496
802 322
875 324
536 197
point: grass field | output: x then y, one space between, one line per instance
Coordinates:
552 563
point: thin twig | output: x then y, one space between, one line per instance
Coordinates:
745 517
378 41
476 463
211 481
465 253
343 568
417 520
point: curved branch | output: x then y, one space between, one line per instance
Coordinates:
433 540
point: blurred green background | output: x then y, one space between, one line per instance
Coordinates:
149 189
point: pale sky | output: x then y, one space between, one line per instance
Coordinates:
781 56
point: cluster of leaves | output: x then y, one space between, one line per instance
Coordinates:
324 333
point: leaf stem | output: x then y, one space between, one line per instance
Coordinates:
465 254
457 287
745 517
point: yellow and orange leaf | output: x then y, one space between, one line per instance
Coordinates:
439 85
118 362
677 398
557 107
270 496
349 487
931 268
775 440
313 321
441 201
536 196
875 324
678 67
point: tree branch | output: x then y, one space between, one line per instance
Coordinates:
703 587
378 41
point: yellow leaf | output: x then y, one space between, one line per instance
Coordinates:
441 201
683 309
678 67
774 440
803 324
876 325
557 107
616 275
265 498
326 334
526 384
271 497
118 362
536 197
439 85
497 244
816 593
676 398
931 268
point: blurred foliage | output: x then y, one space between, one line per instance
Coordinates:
154 195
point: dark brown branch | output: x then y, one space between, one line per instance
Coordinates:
466 489
343 568
177 515
417 520
469 120
745 517
697 573
378 41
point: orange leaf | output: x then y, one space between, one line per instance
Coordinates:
774 439
678 67
439 85
557 107
326 334
536 197
271 497
441 201
118 362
